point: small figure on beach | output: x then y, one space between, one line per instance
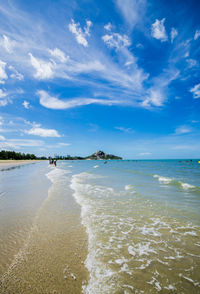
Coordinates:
54 162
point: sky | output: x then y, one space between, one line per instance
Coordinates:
120 76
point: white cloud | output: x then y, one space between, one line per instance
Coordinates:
115 40
2 138
125 130
3 100
132 10
26 104
60 55
15 74
54 103
3 74
158 30
43 68
37 131
17 143
145 153
197 34
183 147
87 27
64 144
108 27
191 62
87 67
2 94
155 98
174 34
79 33
7 44
196 91
183 130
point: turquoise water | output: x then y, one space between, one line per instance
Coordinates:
143 224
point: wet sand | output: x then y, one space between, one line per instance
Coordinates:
51 259
13 163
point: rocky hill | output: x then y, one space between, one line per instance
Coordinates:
100 155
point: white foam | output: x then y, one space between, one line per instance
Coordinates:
149 231
170 287
186 186
56 173
163 180
84 193
189 280
95 166
128 187
141 249
191 233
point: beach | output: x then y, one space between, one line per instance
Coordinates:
43 244
89 227
13 163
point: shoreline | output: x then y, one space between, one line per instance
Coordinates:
14 163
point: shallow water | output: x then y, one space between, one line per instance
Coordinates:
142 220
143 223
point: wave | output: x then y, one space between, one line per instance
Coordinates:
179 184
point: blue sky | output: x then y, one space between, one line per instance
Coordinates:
118 75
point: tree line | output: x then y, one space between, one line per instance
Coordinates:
4 155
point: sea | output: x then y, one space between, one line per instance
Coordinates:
139 219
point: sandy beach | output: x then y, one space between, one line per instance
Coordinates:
43 243
12 163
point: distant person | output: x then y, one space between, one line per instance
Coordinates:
54 162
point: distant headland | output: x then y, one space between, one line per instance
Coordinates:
99 155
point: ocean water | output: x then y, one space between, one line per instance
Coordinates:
101 227
143 223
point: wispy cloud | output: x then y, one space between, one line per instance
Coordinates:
158 30
196 91
4 99
80 33
18 143
197 34
7 44
183 147
155 98
38 131
26 104
191 62
3 74
15 74
108 26
59 54
174 34
63 144
115 40
144 153
183 130
132 10
44 70
2 138
55 103
125 130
